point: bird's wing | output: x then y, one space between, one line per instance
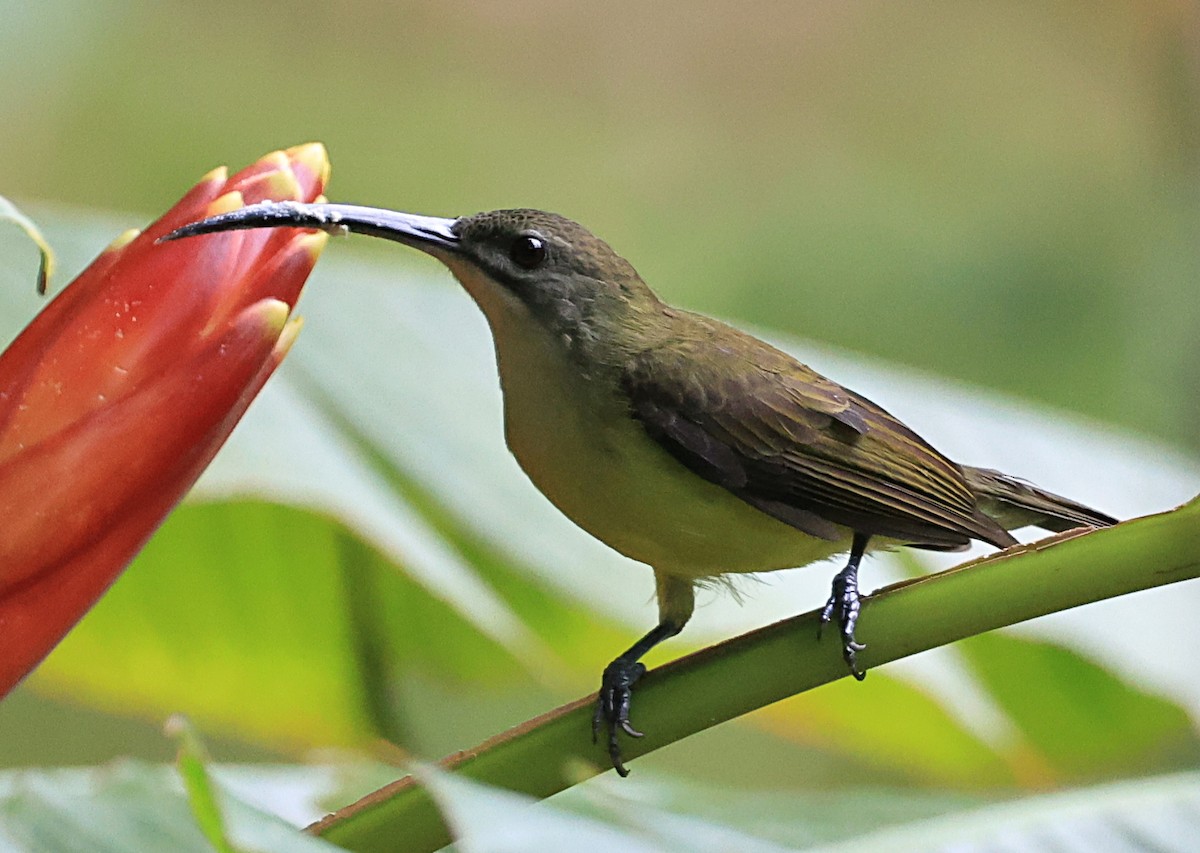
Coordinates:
796 445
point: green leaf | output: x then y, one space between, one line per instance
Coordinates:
794 818
1080 722
667 814
191 762
1160 814
845 717
127 806
9 211
248 599
132 806
491 820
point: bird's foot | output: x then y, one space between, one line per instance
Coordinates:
845 602
612 707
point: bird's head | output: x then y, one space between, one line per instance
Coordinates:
569 280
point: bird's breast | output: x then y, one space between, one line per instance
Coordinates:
574 436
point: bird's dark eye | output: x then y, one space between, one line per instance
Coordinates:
528 251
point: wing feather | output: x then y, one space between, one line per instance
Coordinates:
796 445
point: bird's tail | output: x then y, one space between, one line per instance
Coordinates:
1014 503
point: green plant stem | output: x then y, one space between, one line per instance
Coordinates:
553 751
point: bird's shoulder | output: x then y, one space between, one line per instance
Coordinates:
704 365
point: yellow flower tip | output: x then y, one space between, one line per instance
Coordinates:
271 314
313 243
313 157
224 204
288 337
280 186
321 199
122 240
276 160
218 175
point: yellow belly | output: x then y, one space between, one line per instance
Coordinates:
583 450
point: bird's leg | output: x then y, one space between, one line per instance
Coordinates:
846 602
675 604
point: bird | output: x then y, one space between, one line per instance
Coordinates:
680 441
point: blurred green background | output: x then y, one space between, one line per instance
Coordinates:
1005 193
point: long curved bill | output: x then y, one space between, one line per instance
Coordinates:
431 234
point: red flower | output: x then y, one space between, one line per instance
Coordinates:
117 395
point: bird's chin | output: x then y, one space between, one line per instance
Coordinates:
497 302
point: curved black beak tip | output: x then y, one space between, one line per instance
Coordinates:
427 233
267 214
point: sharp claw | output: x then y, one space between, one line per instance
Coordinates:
850 654
618 765
614 753
612 708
